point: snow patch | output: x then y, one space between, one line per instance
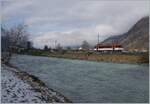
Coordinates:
15 90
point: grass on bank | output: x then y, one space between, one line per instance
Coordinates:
94 56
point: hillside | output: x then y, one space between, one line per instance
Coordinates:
137 38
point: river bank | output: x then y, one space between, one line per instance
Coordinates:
132 58
19 87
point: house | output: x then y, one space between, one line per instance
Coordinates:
80 48
108 48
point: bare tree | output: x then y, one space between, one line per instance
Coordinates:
13 40
68 48
17 36
5 55
4 40
45 47
85 45
58 47
29 45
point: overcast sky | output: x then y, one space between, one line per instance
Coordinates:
72 21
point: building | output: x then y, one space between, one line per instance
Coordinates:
108 48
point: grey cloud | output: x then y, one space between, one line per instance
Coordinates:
71 22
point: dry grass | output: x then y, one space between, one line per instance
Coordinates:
92 56
121 58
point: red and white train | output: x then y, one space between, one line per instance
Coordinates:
107 48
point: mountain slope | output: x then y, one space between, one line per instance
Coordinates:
137 38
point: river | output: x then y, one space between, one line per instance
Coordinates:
87 81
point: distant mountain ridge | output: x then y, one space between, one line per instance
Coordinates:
137 38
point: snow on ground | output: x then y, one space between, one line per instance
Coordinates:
14 90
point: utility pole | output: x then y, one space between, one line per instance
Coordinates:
98 42
55 43
98 38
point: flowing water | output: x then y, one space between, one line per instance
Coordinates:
86 81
